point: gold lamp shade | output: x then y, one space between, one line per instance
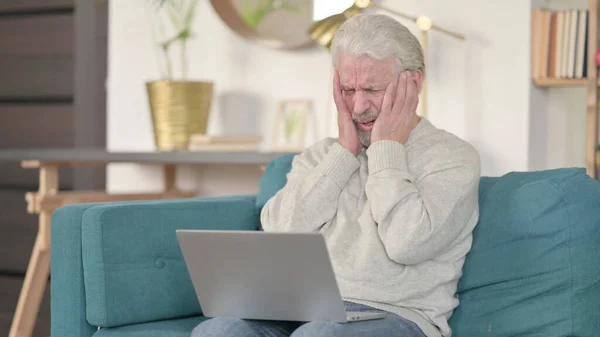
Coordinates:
324 30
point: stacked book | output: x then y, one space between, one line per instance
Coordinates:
559 43
200 142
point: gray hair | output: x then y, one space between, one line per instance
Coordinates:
379 36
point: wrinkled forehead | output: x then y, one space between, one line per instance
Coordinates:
365 68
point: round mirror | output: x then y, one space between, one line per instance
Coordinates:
280 24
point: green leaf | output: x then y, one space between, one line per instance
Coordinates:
173 15
191 12
184 34
179 15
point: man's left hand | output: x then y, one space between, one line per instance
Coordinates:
398 116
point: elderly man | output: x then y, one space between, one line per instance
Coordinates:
395 197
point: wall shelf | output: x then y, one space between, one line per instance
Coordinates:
560 82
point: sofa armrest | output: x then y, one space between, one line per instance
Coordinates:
67 302
133 269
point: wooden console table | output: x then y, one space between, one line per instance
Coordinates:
48 198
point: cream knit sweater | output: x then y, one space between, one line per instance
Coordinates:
397 219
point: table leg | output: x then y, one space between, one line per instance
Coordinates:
33 288
38 270
170 176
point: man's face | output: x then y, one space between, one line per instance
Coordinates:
363 81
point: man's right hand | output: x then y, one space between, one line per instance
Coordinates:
348 136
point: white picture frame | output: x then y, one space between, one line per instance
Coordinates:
289 125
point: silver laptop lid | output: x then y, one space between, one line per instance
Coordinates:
262 275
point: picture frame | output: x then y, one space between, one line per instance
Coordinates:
290 124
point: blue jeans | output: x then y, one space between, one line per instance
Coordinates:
390 326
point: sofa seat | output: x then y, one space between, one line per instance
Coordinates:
169 328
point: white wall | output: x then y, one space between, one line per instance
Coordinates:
479 88
558 127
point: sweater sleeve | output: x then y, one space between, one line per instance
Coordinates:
419 219
309 199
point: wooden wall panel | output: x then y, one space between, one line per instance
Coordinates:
16 250
18 230
16 221
36 76
36 56
40 35
37 65
20 5
91 48
37 126
12 175
10 287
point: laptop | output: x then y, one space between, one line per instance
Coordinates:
265 276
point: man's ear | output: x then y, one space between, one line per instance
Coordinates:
418 76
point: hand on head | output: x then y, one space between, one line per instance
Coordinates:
348 135
398 116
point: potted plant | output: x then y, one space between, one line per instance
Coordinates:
179 107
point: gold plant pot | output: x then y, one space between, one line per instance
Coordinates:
178 109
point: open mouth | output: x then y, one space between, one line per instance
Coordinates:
366 125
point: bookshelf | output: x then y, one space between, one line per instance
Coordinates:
558 60
560 82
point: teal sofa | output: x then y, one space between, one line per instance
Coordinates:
533 270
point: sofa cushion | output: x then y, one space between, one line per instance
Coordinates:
134 271
274 179
170 328
534 267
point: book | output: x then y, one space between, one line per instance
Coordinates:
223 147
214 139
545 43
560 28
571 52
581 64
552 45
565 45
559 43
201 142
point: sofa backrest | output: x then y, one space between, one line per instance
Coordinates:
534 267
274 179
133 267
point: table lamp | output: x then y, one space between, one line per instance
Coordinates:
324 30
